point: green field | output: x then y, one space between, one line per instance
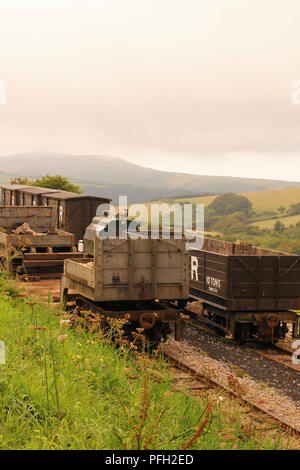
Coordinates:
261 200
269 224
272 200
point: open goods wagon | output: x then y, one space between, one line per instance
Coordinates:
246 290
30 243
131 269
72 212
144 280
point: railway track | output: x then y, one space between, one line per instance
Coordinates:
277 354
53 287
274 352
295 431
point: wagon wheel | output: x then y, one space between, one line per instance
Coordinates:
242 332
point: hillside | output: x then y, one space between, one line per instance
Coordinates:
135 194
269 223
99 173
269 200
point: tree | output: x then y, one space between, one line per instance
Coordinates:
230 224
51 182
228 203
278 227
281 209
294 209
19 180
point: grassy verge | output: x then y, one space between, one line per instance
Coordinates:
69 389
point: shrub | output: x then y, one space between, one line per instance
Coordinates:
229 203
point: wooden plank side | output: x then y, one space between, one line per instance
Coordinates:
79 271
136 269
266 283
40 219
245 278
209 273
40 241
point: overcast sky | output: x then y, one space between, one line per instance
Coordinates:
199 86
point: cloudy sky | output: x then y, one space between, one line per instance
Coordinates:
189 85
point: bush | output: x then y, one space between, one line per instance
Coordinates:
230 224
294 209
228 203
52 182
279 226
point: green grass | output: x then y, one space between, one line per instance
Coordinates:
269 224
273 199
269 200
262 201
80 392
206 200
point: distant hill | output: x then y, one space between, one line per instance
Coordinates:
135 194
109 176
269 200
262 202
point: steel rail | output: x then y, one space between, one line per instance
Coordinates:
210 330
186 368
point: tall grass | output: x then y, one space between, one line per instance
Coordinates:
69 389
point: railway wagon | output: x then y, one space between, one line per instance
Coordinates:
30 242
42 219
22 195
246 291
144 280
73 212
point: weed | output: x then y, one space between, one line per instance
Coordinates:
80 392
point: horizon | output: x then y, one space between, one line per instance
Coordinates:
37 153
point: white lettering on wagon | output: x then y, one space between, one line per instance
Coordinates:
194 268
213 284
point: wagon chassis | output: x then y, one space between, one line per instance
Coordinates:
242 325
151 316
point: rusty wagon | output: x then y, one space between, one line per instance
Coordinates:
73 212
30 242
145 280
246 290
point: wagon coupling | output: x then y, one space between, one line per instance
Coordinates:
272 320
